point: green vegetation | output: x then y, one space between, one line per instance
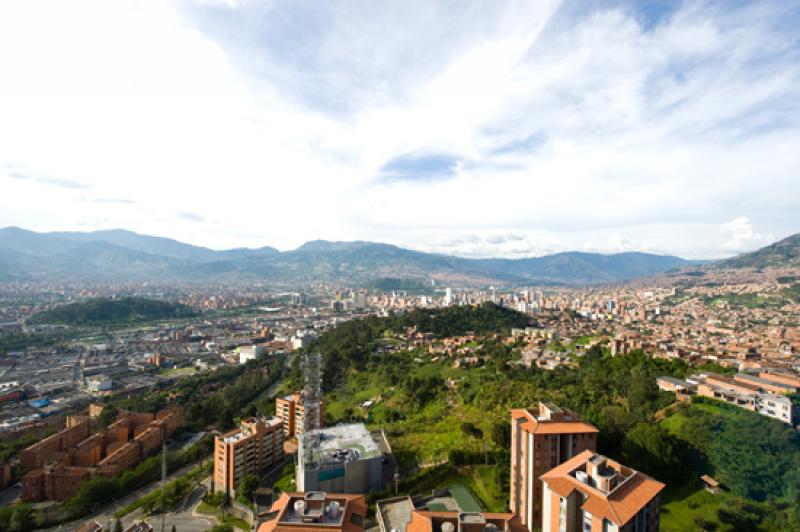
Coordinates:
753 456
213 399
449 425
99 491
351 344
782 254
17 518
174 492
124 311
11 448
21 341
746 300
286 482
690 507
217 504
244 491
388 284
792 293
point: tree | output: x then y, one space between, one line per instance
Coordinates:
741 519
174 529
501 434
247 486
224 503
225 418
652 450
107 416
471 430
21 518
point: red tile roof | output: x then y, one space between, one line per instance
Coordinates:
619 506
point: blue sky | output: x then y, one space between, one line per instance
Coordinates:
473 128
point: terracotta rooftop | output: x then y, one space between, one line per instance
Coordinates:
559 421
426 521
353 511
618 505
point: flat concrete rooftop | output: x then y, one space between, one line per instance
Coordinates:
340 443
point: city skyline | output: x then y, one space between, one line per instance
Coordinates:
474 129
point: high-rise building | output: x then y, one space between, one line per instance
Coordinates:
542 438
291 411
249 450
343 459
591 492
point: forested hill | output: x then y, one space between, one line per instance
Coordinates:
350 343
782 254
465 427
113 311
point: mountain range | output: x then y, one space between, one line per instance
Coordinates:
782 254
120 255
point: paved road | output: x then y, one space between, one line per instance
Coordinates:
10 495
106 515
185 519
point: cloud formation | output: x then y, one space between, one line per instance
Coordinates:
19 172
191 216
741 235
436 125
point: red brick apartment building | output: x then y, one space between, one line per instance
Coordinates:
542 438
593 493
5 475
54 467
248 450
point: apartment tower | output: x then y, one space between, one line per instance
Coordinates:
249 450
292 412
591 492
542 438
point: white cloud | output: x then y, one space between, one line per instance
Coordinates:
270 123
741 235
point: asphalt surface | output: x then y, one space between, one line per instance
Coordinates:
106 515
9 495
185 519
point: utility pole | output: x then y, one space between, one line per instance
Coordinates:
163 482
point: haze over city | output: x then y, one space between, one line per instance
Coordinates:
476 129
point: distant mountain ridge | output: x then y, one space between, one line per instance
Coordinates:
123 255
782 254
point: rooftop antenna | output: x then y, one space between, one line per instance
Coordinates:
163 482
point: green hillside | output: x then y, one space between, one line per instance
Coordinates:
449 424
782 254
113 311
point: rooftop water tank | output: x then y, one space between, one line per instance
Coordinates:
334 509
299 507
447 526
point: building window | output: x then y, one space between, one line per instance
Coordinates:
587 522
